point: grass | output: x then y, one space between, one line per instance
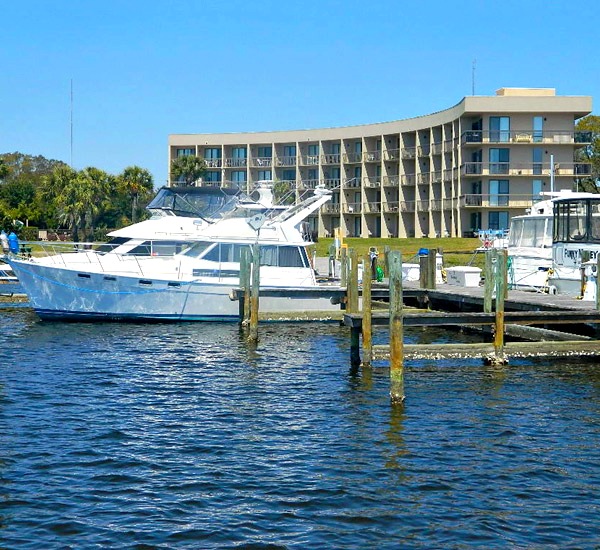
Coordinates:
456 251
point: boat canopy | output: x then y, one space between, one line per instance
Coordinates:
195 202
577 220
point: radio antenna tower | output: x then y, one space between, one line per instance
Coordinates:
473 77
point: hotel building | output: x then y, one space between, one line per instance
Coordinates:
470 167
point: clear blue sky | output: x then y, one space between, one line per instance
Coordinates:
142 70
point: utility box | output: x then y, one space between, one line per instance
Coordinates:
463 276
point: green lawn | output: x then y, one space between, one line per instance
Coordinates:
456 251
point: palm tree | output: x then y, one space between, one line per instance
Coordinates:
97 186
137 184
61 190
188 168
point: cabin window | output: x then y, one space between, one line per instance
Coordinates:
570 221
197 249
282 256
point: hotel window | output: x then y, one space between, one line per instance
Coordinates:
289 175
358 147
289 150
500 129
212 153
265 175
211 177
475 221
499 159
498 220
185 152
499 192
357 174
313 174
313 149
335 148
536 189
537 156
238 176
538 129
239 152
265 152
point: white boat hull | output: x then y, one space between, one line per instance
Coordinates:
70 294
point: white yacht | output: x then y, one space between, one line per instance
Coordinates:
191 285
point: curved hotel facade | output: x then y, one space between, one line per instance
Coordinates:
470 167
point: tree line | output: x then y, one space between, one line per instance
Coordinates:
40 193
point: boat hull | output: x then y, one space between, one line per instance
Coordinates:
64 294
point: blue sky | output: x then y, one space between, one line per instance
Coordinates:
142 70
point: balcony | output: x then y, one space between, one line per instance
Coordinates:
449 145
407 206
408 179
372 207
391 207
332 183
391 181
477 137
372 182
436 177
435 205
236 163
447 175
330 208
423 179
352 208
286 161
422 206
354 182
423 150
308 184
391 154
372 156
495 201
333 158
352 158
309 160
408 153
572 169
213 163
437 148
262 162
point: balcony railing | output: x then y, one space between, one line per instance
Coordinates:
236 163
423 150
574 169
352 158
309 160
286 161
422 206
423 178
435 205
260 162
354 182
391 207
391 181
407 206
331 208
525 136
437 148
436 177
308 184
332 183
408 179
391 154
408 152
499 200
448 175
371 181
213 163
352 208
372 207
333 158
372 156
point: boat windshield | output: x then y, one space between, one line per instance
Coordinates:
195 202
531 232
577 220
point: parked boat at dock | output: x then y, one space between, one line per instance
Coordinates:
192 285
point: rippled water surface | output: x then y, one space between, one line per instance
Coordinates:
181 436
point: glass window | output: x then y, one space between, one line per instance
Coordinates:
358 147
212 176
239 152
265 175
358 172
536 189
475 221
537 156
538 129
239 176
265 151
335 148
500 129
289 150
499 190
197 249
289 175
185 152
313 149
499 161
212 153
498 220
313 174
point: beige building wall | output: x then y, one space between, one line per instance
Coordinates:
450 173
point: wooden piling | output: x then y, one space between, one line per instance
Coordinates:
245 256
489 281
396 328
254 294
431 268
367 332
343 267
352 283
501 279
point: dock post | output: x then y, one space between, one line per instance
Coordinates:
367 326
245 285
501 276
352 284
386 262
396 329
431 268
254 294
488 281
343 267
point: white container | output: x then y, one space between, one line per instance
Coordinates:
463 276
410 272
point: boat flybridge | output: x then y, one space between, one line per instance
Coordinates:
191 285
530 244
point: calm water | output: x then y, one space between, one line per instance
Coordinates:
180 436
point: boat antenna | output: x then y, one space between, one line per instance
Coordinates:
473 76
71 158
